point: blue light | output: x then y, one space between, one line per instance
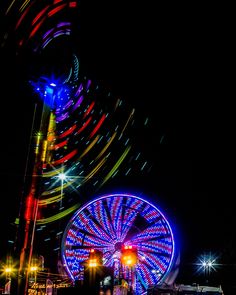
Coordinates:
53 93
49 90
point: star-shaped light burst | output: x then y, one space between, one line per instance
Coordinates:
64 177
207 263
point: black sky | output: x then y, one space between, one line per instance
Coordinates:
162 59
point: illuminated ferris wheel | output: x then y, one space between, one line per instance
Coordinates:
113 221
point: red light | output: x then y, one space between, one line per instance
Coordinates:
72 4
30 207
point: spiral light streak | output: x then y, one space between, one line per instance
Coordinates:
90 134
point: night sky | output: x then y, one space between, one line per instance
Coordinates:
162 60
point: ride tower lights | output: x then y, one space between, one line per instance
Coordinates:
30 208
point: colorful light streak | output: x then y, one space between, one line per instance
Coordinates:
38 14
91 141
105 222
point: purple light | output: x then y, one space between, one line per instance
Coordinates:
63 24
121 219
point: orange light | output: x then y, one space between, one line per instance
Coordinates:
95 258
93 262
129 255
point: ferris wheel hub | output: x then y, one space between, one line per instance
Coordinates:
118 246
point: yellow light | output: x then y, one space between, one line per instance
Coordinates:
129 262
33 268
8 269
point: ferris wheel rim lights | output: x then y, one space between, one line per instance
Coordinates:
172 251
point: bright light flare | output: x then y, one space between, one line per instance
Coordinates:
62 176
33 268
8 269
93 262
207 264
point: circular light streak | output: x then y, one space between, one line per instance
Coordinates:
113 220
91 133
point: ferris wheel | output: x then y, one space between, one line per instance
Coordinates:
113 221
